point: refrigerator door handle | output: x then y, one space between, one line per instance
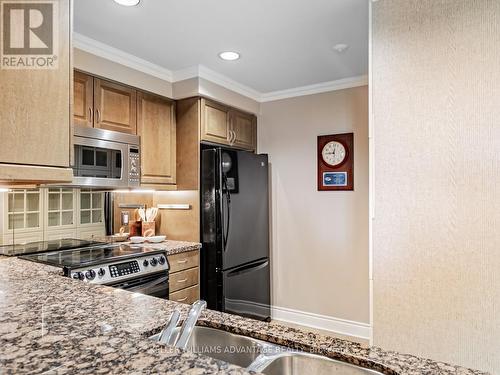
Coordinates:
249 268
227 194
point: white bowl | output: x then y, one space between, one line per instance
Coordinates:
137 239
156 239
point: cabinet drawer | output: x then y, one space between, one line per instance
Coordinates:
183 279
183 261
188 295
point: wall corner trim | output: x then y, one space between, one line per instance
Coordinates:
323 322
318 88
105 51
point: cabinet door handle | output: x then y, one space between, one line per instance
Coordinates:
91 114
182 281
97 115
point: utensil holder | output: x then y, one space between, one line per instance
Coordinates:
148 228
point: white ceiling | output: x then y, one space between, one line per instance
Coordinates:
284 44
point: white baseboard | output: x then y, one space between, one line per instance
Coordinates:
323 322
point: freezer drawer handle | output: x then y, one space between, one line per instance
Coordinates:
248 268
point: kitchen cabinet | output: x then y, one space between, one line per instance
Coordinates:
214 122
184 277
83 99
114 107
104 104
244 128
157 129
35 120
224 125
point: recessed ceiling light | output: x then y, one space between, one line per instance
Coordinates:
229 55
341 47
128 3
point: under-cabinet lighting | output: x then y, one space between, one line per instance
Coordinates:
137 191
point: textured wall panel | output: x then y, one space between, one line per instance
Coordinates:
436 110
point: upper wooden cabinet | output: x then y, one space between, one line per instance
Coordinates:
104 104
157 129
223 125
244 128
83 99
35 112
114 107
214 122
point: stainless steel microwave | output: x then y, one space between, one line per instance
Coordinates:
106 159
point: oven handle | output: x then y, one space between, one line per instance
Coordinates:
150 284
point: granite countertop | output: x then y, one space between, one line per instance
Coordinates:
171 247
53 324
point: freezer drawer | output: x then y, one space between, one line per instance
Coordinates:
246 290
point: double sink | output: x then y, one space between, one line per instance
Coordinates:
263 357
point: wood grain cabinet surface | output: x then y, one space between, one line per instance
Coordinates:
227 126
184 277
114 107
214 122
156 127
83 99
35 116
244 128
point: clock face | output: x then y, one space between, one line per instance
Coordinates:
333 153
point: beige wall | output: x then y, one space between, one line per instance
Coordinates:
436 111
320 239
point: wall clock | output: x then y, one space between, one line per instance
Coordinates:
336 162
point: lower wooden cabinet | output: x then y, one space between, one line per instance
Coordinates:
156 127
184 277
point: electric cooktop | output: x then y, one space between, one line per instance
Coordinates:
44 246
91 255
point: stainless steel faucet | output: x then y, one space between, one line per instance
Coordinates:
167 333
189 323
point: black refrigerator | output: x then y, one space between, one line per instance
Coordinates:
235 269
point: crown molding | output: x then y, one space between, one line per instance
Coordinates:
228 83
105 51
108 52
340 84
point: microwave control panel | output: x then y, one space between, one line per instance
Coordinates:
134 166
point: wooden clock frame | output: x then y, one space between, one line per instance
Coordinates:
347 166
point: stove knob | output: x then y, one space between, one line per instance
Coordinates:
90 274
78 275
145 263
154 262
101 272
161 260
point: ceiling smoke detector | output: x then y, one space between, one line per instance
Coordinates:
341 47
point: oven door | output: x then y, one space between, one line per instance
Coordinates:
155 285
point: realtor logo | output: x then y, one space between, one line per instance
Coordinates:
29 35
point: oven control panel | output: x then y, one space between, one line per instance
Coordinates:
122 269
107 273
